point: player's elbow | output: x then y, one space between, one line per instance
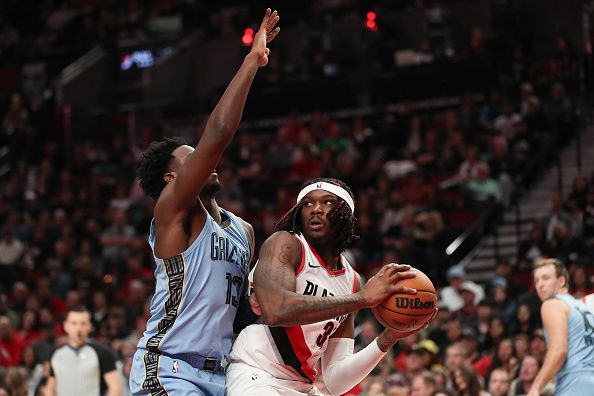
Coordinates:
272 318
275 316
562 353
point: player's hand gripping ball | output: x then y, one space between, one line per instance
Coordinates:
408 312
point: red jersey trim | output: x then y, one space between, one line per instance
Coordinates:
333 273
301 349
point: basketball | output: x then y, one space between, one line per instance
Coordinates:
408 312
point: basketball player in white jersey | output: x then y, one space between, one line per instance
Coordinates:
308 295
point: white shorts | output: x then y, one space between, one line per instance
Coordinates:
245 380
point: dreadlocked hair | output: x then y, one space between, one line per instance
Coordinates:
156 161
341 218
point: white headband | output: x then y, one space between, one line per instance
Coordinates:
332 188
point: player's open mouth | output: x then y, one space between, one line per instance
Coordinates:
316 224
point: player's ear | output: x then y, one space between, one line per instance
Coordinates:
169 176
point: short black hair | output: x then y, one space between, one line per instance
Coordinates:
342 219
156 161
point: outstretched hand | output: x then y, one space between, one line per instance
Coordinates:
264 35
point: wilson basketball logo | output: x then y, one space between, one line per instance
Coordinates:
406 312
413 303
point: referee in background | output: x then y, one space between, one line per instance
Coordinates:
81 367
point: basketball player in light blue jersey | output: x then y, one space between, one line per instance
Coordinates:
569 329
202 252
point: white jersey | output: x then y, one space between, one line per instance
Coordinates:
292 353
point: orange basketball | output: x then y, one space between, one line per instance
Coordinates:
408 312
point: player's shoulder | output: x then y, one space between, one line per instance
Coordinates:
249 229
283 236
285 243
554 306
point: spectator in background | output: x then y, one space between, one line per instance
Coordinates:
11 344
455 356
450 295
529 367
466 170
16 381
467 315
119 239
397 385
560 110
538 344
533 248
443 392
581 283
557 215
579 192
525 320
34 367
503 167
465 381
423 384
491 109
504 357
5 310
480 363
483 187
505 270
499 382
11 250
30 327
521 344
485 313
497 332
504 304
564 245
504 124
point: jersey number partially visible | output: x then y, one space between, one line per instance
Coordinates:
324 336
233 297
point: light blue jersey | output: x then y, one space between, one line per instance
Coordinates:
576 376
194 305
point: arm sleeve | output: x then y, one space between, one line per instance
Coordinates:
342 369
51 363
106 358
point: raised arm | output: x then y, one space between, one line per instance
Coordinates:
223 121
275 287
554 315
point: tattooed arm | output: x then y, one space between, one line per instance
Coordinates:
275 286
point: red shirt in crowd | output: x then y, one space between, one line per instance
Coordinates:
11 349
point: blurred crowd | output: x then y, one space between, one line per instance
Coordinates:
73 221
